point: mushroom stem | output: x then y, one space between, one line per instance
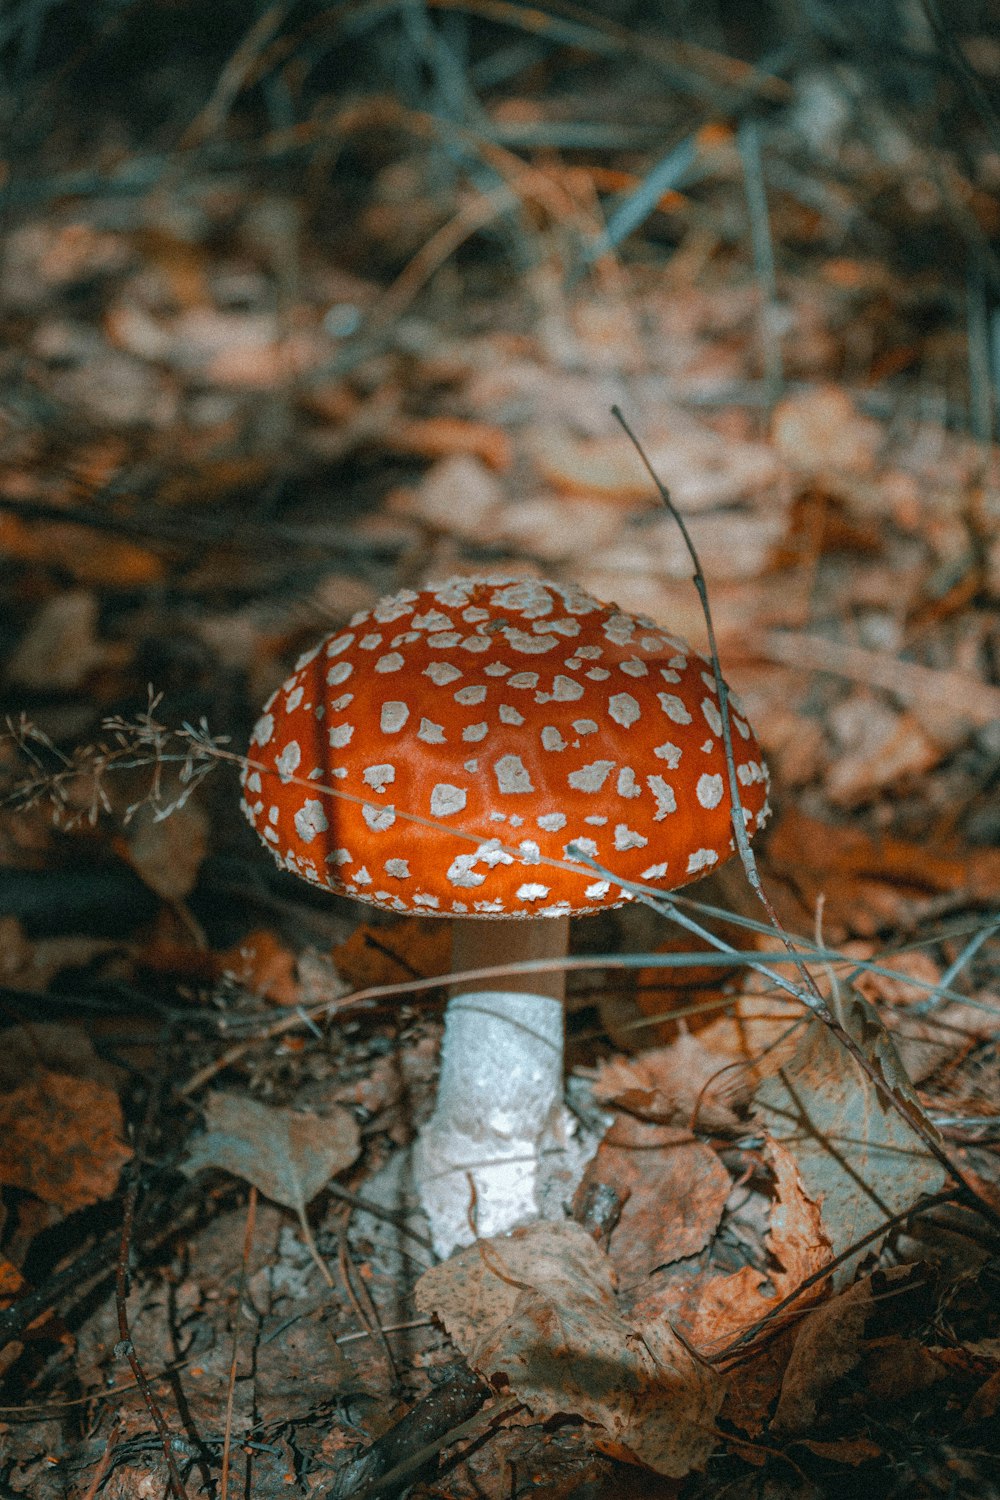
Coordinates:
486 943
499 1131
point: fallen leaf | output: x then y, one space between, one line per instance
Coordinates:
167 852
856 1154
458 495
288 1154
821 429
61 648
442 437
828 1345
684 1083
674 1189
386 955
263 965
534 1312
61 1138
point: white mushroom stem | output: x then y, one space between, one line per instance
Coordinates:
499 1129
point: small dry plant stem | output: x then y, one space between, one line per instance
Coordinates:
811 995
227 1440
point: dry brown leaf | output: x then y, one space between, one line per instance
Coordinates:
877 748
827 1345
61 647
443 437
61 1138
458 495
798 1244
288 1154
101 562
263 965
674 1189
855 1154
820 429
167 852
865 878
387 955
534 1312
680 1084
701 469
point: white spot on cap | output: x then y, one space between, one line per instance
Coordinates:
474 615
461 873
627 838
341 735
253 782
709 681
552 739
398 868
492 853
441 673
580 846
712 714
742 729
444 640
289 760
585 726
432 620
378 777
529 851
633 667
527 644
666 802
708 746
338 705
389 663
430 733
592 777
526 596
674 708
598 674
294 698
472 733
378 818
468 696
551 822
511 774
339 857
654 872
510 715
564 690
307 657
393 716
497 669
522 680
370 642
263 730
709 790
423 899
746 774
339 672
598 890
362 876
596 820
627 784
310 820
624 709
393 607
446 800
701 859
532 892
669 676
273 813
405 638
338 644
472 766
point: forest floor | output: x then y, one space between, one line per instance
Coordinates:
258 380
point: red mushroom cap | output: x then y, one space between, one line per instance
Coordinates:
523 714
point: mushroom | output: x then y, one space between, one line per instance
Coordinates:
478 737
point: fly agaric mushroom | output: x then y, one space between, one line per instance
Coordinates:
448 753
